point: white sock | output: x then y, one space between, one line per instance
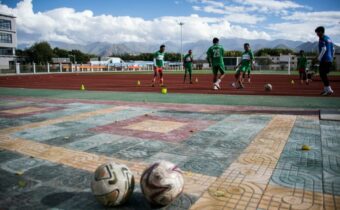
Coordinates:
218 81
328 88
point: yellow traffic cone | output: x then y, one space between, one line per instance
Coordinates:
196 80
293 82
138 83
82 87
305 147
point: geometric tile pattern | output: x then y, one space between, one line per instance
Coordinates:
26 111
229 160
23 110
242 185
330 133
155 127
85 161
67 118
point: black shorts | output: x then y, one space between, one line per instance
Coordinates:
325 67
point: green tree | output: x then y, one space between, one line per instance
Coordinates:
172 57
233 53
79 56
148 56
273 52
40 52
60 53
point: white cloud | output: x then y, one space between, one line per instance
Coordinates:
326 17
245 6
271 5
244 18
293 21
234 14
213 3
301 25
68 25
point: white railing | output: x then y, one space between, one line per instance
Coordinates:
74 68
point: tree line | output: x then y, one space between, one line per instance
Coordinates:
42 53
267 52
173 57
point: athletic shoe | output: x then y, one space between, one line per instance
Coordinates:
248 80
215 88
327 93
233 85
217 85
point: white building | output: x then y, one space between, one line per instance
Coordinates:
8 41
107 61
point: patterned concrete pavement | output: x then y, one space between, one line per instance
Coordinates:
231 158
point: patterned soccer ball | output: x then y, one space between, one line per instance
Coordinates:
268 87
112 184
162 183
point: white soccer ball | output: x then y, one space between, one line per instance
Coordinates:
162 183
268 87
112 184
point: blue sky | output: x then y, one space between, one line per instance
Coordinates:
147 20
146 8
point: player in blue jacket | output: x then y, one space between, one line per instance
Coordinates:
325 58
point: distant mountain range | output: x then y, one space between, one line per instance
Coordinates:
199 48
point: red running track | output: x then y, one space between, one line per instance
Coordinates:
174 82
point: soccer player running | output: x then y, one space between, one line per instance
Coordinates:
188 59
325 58
215 58
158 65
302 65
246 65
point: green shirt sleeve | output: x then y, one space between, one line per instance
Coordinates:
251 55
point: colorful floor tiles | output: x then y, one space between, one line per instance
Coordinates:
231 158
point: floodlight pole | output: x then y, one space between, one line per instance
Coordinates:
181 25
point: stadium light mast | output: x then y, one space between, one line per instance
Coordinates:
181 25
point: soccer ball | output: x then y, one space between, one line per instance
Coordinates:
112 184
268 87
162 183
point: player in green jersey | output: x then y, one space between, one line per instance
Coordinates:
244 66
246 55
301 66
215 58
158 65
188 59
